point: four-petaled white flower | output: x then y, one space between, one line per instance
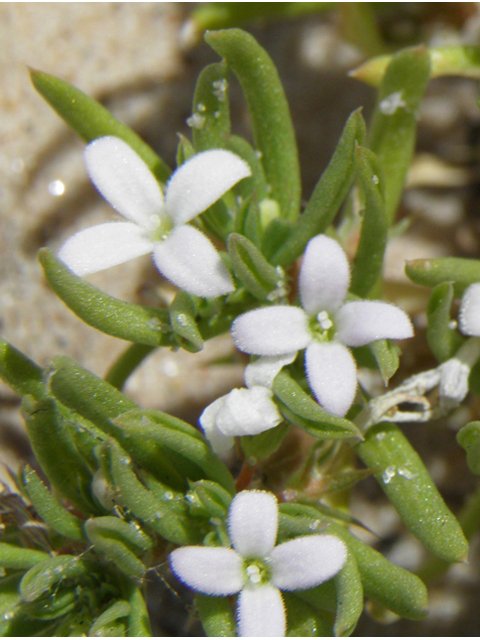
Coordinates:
325 327
245 412
469 313
256 568
156 223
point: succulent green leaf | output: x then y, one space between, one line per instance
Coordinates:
386 354
19 372
210 498
300 409
161 512
43 576
271 122
54 448
49 509
446 61
182 312
211 123
277 234
406 482
304 620
394 123
469 439
133 322
13 557
367 266
182 441
119 541
328 194
348 583
90 120
442 339
461 271
261 446
100 403
126 364
101 626
254 272
395 588
138 621
257 182
216 616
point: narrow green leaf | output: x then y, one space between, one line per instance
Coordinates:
261 446
348 583
409 487
13 557
119 609
49 509
446 61
386 354
271 122
304 621
20 373
254 272
90 120
216 616
277 234
133 322
54 449
182 312
138 621
442 339
119 541
163 514
44 575
126 364
394 122
211 119
368 263
399 590
461 271
328 195
100 403
469 439
179 439
209 497
257 183
300 409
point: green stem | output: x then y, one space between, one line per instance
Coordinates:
124 366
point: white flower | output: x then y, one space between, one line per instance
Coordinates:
469 314
325 327
255 568
245 412
156 223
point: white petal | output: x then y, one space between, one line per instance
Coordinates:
324 275
201 181
262 372
261 613
364 321
104 246
219 442
215 571
271 331
253 523
189 260
469 316
247 412
124 180
305 562
332 375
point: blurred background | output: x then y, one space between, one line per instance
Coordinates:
141 60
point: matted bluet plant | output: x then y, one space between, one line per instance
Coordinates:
232 512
